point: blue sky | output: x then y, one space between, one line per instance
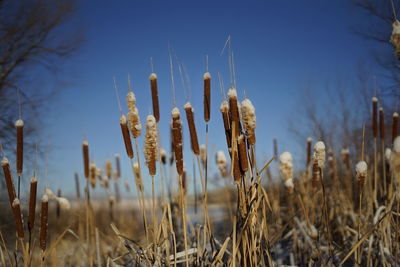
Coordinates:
279 47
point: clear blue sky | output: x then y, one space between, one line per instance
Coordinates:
279 46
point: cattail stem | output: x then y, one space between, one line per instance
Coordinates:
43 222
153 211
182 197
382 136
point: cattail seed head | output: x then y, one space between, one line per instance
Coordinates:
134 122
234 111
388 153
125 135
315 173
395 158
154 96
85 149
221 162
177 140
249 120
309 143
64 203
131 100
32 203
346 157
237 175
108 169
361 171
18 218
203 154
9 181
150 145
224 108
43 222
207 95
192 128
375 116
138 176
19 125
319 153
381 124
289 185
242 153
93 174
395 37
286 165
395 125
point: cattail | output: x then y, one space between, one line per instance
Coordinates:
315 173
184 181
171 137
125 134
43 222
18 218
77 187
382 124
242 154
346 157
289 185
207 95
177 140
237 175
63 203
85 149
32 204
361 171
118 165
375 116
105 183
203 154
163 156
58 208
221 162
286 165
395 158
234 110
319 153
395 37
131 100
108 169
395 125
150 145
388 154
154 96
9 182
192 128
249 120
275 145
134 123
224 108
19 124
93 174
309 143
138 177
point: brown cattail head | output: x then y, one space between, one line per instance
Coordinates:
224 108
242 154
43 222
234 110
237 175
19 124
150 144
184 182
375 117
85 149
125 135
395 125
382 124
118 165
154 96
207 95
177 140
309 143
346 157
249 120
18 218
138 176
32 204
109 169
192 128
93 174
9 181
361 172
134 123
315 173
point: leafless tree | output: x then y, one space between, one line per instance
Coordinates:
36 36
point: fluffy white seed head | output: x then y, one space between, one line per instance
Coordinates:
15 202
221 160
50 194
188 106
248 116
374 99
232 93
388 153
207 75
153 76
150 145
175 113
64 203
289 185
224 106
33 179
396 145
203 153
396 27
19 123
286 165
131 101
361 170
4 161
122 119
309 140
319 153
45 198
395 114
345 151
